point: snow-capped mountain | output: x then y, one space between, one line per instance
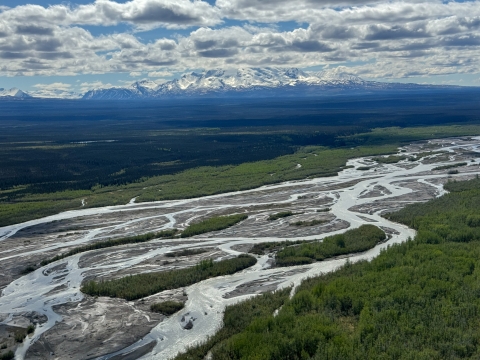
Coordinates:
244 82
13 93
219 81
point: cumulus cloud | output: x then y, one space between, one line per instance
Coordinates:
160 74
395 38
143 14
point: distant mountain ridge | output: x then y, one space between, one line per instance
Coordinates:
13 93
243 82
219 81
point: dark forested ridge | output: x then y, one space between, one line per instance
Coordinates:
57 153
111 143
416 300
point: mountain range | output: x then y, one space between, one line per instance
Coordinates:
246 82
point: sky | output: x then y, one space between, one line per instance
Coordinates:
83 44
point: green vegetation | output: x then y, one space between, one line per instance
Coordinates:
309 223
30 329
280 215
138 286
7 356
266 247
451 166
236 319
167 307
113 242
20 335
416 300
186 252
30 200
28 270
213 224
356 240
392 159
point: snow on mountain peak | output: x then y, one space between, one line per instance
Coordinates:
13 93
228 80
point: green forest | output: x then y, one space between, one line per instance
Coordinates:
135 287
416 300
214 223
352 241
24 202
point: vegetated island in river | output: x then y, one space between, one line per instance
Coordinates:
141 285
416 300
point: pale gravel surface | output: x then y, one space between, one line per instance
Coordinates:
355 198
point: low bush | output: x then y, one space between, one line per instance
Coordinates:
451 166
280 215
167 307
186 252
20 335
309 223
8 356
213 224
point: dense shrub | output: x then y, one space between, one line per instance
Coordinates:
309 223
213 224
138 286
356 240
280 215
7 356
167 307
450 166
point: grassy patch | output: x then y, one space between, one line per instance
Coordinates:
167 307
213 224
266 247
138 286
309 223
280 215
450 166
392 159
185 252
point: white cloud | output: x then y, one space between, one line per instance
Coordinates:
57 85
160 74
86 86
55 90
416 38
143 14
